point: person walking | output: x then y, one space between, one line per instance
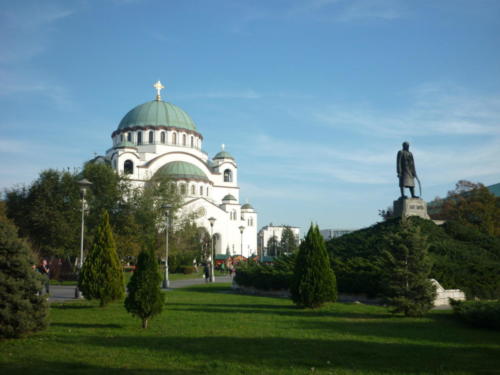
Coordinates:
44 270
206 273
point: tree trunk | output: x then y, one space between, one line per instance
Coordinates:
144 323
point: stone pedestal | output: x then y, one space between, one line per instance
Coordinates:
405 207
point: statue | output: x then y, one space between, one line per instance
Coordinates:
406 170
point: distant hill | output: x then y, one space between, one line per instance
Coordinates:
463 258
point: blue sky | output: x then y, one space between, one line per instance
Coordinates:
312 97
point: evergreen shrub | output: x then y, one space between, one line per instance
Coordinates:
485 314
145 298
313 281
22 309
275 276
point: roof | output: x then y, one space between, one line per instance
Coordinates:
125 144
247 206
223 155
157 113
229 197
494 189
182 170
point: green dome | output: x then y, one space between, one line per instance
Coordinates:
229 197
157 113
182 170
223 155
246 206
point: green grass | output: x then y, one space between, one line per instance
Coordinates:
208 330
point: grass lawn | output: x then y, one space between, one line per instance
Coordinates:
207 330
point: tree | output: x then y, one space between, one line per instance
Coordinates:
145 298
288 243
407 269
21 310
313 280
273 246
471 204
101 276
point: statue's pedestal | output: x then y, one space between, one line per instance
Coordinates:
405 207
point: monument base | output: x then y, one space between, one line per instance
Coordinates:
405 207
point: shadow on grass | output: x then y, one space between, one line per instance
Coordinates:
327 354
70 306
86 325
208 288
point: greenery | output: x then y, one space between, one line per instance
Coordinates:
484 314
101 276
288 243
275 276
407 267
462 257
22 310
145 298
208 330
313 281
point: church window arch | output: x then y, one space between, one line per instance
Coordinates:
139 138
174 138
128 167
201 190
151 136
193 189
129 137
228 175
192 141
121 137
184 139
183 189
162 137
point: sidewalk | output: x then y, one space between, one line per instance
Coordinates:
65 293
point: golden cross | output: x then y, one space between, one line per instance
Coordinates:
158 86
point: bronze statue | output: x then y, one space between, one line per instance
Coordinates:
406 170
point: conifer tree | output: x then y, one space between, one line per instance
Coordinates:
101 276
22 310
407 265
145 298
313 281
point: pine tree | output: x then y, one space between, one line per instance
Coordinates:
145 298
313 281
409 289
21 309
101 276
288 243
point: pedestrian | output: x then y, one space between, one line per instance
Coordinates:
206 273
44 270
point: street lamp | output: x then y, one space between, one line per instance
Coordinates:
84 184
241 228
167 208
212 254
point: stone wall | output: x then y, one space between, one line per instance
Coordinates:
443 295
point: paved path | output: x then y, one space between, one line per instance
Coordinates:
64 293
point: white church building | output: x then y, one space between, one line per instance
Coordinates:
159 138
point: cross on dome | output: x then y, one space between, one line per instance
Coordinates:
223 146
158 86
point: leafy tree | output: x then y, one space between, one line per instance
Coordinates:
288 243
273 246
409 289
145 298
21 310
313 281
470 204
101 276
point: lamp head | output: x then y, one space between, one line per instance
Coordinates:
212 221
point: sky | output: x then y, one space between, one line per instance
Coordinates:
313 98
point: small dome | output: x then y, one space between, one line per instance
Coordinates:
181 170
246 206
157 113
223 155
229 197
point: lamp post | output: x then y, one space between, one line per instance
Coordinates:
212 254
84 184
166 207
241 228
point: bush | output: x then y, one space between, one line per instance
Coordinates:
21 309
313 281
276 276
485 314
186 270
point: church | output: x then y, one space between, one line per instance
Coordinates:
158 138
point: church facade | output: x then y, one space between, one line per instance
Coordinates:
159 138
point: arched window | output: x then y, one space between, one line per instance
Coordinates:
121 137
183 189
174 138
128 167
184 139
192 141
139 138
207 191
151 136
228 175
201 190
192 189
162 137
129 137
